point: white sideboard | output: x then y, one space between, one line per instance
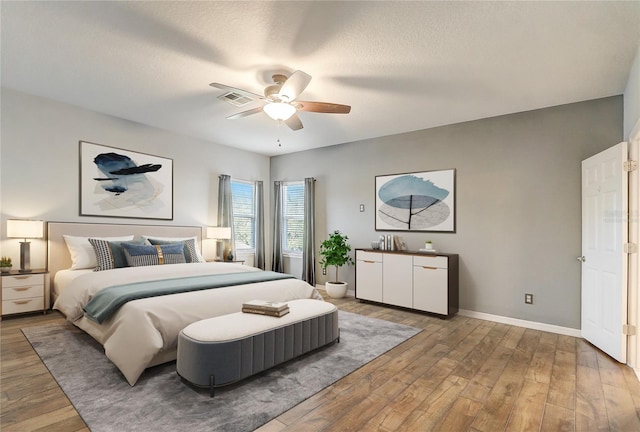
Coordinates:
422 281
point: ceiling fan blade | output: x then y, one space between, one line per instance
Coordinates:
294 122
246 93
245 113
323 107
294 85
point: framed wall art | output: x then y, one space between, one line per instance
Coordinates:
121 183
420 201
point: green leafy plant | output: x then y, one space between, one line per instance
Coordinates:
335 252
5 262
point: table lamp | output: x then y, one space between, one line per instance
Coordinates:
26 229
219 233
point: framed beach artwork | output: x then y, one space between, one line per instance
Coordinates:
420 201
121 183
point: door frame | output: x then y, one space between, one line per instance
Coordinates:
633 291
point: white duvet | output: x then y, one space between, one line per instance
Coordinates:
144 332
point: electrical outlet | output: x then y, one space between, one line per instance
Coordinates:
324 271
528 298
361 207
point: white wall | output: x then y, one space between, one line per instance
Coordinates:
40 161
518 183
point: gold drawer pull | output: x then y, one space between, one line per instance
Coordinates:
370 262
21 277
21 302
22 289
430 268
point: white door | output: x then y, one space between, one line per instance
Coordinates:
604 262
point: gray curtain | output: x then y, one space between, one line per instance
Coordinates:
277 260
259 224
225 212
308 239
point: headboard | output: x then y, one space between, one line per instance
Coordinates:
58 257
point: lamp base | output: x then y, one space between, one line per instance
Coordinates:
25 257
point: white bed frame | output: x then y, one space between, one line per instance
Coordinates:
58 257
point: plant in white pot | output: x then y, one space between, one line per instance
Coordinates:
335 252
5 264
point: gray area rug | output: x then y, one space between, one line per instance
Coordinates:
160 401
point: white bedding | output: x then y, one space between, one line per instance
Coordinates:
144 332
64 278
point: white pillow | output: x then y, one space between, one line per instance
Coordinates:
199 257
82 254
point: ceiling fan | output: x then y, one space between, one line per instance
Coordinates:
280 100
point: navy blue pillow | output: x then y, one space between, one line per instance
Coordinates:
147 255
190 253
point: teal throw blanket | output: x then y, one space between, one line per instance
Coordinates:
108 300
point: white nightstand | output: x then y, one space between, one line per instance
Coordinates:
24 292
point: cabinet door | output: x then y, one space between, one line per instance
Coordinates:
369 280
397 280
430 289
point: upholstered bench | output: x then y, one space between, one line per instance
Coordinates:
225 349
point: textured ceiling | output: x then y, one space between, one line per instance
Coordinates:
402 66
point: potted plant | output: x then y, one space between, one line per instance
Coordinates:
335 252
5 264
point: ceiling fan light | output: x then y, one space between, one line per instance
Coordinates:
279 110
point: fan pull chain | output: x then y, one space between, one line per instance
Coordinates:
278 140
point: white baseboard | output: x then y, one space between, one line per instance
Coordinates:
567 331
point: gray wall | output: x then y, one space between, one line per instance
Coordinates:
39 165
518 200
518 188
632 98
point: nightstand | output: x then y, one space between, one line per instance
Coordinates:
225 261
24 292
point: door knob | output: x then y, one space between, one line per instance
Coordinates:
581 258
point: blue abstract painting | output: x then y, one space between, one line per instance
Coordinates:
121 183
422 201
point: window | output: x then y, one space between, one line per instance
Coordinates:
243 214
293 210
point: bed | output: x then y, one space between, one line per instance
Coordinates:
144 332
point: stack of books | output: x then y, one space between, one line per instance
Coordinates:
263 307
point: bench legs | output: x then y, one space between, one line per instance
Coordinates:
212 383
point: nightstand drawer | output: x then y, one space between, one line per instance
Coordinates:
22 292
23 305
22 280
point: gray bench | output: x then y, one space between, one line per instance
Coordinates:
225 349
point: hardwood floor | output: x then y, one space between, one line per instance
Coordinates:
460 374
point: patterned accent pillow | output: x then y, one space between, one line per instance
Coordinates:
82 255
148 255
110 254
190 251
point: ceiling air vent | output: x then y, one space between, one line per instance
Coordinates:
235 98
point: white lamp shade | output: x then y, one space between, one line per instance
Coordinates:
25 228
219 233
279 110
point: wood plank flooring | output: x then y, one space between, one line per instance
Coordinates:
460 374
